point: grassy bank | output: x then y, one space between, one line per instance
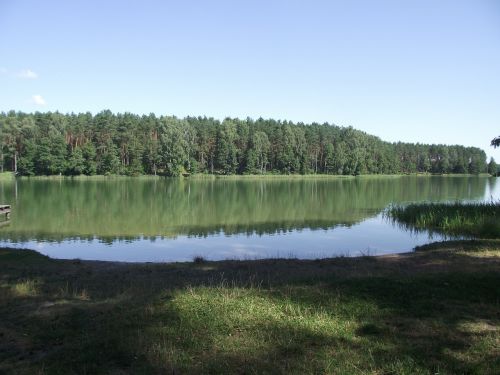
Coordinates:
433 311
204 176
480 220
90 178
6 176
198 176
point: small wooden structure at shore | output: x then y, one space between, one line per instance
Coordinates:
5 210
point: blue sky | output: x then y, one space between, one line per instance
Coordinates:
417 71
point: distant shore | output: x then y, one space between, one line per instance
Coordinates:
200 176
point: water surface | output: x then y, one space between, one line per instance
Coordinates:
175 220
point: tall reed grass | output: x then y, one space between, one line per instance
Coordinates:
477 220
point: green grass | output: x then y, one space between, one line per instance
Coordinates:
6 176
278 176
208 176
90 178
477 220
428 312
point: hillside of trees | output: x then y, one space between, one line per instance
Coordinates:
107 143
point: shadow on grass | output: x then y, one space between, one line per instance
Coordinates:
382 315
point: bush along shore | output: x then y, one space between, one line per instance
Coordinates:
435 310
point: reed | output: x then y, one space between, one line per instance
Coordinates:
476 220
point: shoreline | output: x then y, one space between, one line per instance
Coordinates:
6 176
200 260
418 311
197 259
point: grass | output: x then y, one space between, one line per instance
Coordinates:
25 288
6 176
208 176
436 310
477 220
90 178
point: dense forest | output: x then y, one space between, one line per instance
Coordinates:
107 143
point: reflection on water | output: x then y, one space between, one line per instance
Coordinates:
170 219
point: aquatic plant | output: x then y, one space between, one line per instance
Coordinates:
477 220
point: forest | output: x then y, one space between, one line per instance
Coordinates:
52 143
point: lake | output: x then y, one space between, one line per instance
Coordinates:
146 219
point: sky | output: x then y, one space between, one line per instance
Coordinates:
415 71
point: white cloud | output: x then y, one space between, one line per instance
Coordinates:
27 74
38 100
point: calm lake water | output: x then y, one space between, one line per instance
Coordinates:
175 220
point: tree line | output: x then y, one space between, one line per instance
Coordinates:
128 144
